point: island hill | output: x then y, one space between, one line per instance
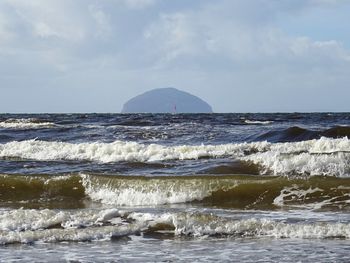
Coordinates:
166 100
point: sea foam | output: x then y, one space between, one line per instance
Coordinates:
121 151
23 123
206 224
325 156
105 224
153 191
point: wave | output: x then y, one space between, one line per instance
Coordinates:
26 123
257 122
231 167
62 191
291 134
337 132
240 192
121 151
6 138
28 226
324 156
296 134
199 224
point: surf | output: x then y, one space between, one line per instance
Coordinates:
50 226
324 156
226 191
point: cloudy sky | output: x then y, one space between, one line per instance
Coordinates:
238 55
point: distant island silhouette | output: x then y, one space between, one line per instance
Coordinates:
166 100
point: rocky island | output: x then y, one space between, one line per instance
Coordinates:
166 100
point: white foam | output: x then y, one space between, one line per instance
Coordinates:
153 219
120 151
198 224
72 234
31 219
90 224
26 226
29 123
294 193
294 197
201 225
138 192
325 156
257 122
21 219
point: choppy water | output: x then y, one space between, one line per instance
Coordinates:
205 187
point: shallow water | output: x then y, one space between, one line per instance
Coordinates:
186 187
137 248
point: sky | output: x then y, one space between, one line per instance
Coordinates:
238 55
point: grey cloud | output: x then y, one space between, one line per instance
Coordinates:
118 48
206 34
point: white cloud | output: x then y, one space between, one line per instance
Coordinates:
173 35
238 47
43 30
46 19
208 33
139 4
104 27
5 32
305 47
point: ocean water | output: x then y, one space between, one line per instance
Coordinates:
175 188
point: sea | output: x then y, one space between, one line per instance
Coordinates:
240 187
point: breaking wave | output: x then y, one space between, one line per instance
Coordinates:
257 122
324 156
239 191
28 226
206 224
30 123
